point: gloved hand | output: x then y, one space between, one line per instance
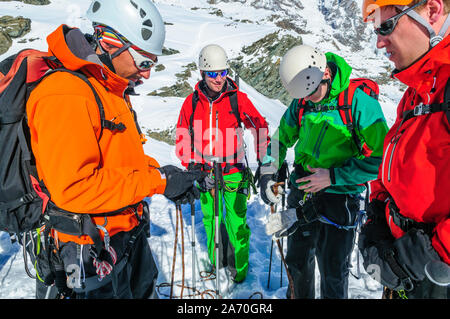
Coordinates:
376 209
180 184
376 247
376 229
266 185
282 223
206 184
413 252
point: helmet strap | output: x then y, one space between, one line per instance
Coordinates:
105 58
125 47
328 82
434 38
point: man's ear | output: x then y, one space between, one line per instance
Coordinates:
435 10
327 73
107 47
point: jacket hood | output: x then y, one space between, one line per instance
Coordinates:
71 48
341 75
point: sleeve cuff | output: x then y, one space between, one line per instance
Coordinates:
332 176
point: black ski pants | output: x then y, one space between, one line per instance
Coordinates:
136 280
331 246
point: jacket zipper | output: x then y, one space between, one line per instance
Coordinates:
397 138
320 139
384 161
393 144
210 128
217 130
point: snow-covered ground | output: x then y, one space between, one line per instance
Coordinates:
188 31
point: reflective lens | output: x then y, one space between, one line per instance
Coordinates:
143 63
388 26
215 74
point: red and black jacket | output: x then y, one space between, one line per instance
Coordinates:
415 173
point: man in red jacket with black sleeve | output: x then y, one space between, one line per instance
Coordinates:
406 241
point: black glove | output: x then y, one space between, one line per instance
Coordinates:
376 230
376 209
206 184
180 184
413 252
266 182
376 247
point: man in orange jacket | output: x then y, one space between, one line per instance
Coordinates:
95 165
408 231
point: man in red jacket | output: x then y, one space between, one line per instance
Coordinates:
208 131
408 231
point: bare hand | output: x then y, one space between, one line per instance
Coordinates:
317 181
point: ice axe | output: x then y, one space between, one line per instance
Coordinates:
273 211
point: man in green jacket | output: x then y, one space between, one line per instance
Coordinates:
333 161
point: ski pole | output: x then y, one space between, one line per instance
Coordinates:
281 264
193 245
283 206
270 264
174 252
273 210
217 175
182 250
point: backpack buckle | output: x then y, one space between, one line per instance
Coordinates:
28 198
421 109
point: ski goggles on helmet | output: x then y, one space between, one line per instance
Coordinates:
141 58
388 26
214 75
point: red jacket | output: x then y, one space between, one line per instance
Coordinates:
415 171
215 128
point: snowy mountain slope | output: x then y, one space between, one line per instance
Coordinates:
191 25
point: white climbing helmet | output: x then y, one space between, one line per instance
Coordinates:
137 20
213 58
301 70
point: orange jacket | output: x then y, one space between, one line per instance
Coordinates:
82 173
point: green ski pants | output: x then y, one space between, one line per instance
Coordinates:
234 250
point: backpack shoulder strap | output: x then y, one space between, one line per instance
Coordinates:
191 118
301 105
194 106
103 121
447 100
105 124
424 109
345 101
235 107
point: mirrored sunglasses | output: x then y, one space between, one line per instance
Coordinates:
142 62
215 74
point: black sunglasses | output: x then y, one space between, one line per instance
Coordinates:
388 26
